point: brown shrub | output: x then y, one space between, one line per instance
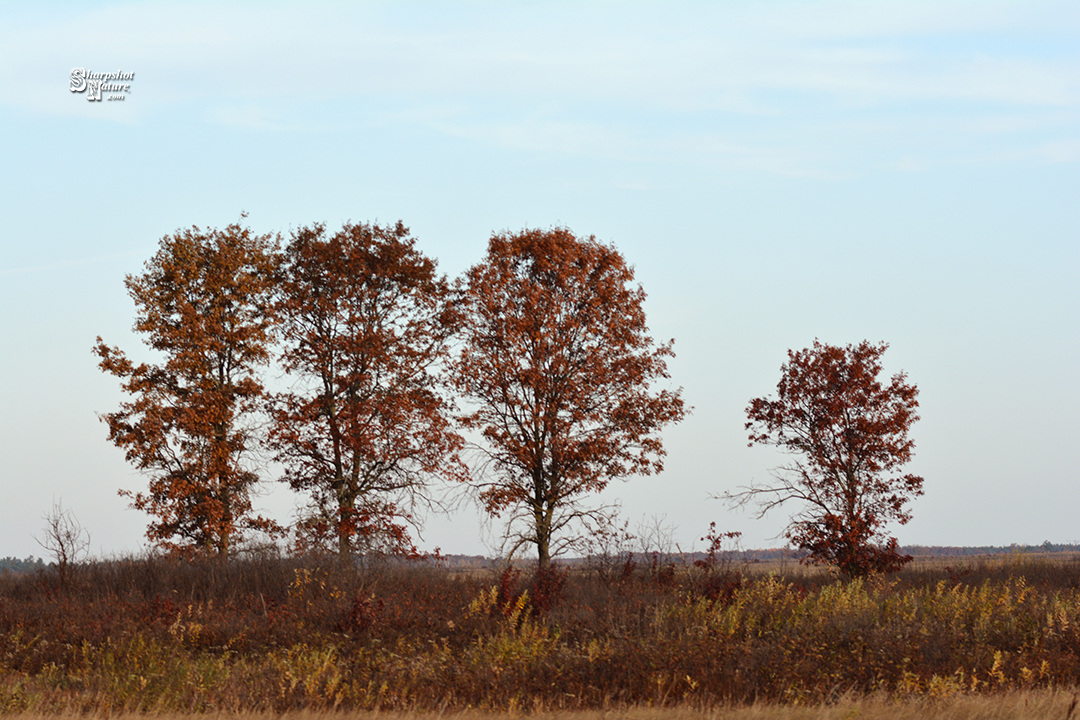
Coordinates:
274 635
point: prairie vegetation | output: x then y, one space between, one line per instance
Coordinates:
1032 705
277 635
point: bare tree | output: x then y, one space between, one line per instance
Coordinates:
65 538
608 546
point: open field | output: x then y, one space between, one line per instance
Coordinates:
933 568
1033 705
287 636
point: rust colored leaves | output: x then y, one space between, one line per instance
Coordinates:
202 304
552 354
365 321
558 363
851 435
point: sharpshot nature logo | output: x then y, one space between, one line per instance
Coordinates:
94 84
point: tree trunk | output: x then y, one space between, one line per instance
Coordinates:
543 550
345 518
541 520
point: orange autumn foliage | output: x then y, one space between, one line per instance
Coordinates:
850 433
202 303
365 323
558 364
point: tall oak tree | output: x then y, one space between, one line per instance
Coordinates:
365 322
558 365
202 303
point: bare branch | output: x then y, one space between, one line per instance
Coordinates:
65 539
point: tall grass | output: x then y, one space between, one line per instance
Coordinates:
154 635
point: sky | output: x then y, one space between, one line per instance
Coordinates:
775 172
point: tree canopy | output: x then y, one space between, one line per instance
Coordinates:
364 324
202 302
849 436
558 365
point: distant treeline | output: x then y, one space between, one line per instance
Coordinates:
30 564
934 551
914 550
781 554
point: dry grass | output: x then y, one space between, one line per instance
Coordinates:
275 636
1059 704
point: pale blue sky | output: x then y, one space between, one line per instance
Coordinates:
776 172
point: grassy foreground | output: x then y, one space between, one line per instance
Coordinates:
278 636
1032 705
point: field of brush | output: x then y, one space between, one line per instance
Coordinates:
624 638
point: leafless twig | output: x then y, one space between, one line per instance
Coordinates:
65 538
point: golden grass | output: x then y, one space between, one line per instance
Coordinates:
1055 704
981 640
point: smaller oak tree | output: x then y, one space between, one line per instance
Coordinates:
850 434
558 363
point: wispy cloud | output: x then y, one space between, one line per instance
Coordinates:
63 264
679 57
246 117
569 78
1067 151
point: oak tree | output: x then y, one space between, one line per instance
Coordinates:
202 304
365 321
849 435
559 367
